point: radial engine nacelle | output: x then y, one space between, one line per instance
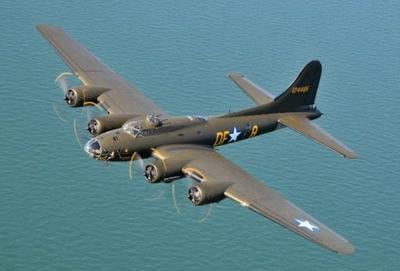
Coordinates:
79 95
163 170
207 192
99 125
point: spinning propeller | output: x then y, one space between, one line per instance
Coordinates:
85 120
135 157
79 123
62 82
179 210
150 172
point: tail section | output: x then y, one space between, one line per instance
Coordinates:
302 91
300 96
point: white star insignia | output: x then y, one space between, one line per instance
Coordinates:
306 224
234 135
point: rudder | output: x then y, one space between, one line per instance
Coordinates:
303 89
300 94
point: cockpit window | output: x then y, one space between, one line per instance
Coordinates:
197 118
134 128
142 127
153 125
153 121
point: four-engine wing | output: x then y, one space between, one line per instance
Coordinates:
121 98
208 167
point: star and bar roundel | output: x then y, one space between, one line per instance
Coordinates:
234 134
306 224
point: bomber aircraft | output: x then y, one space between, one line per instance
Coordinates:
185 146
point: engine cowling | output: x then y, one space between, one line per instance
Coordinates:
207 192
166 170
99 125
77 96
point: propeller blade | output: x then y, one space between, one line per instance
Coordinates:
178 210
90 113
130 166
62 81
76 134
206 215
140 161
156 197
79 125
58 114
135 157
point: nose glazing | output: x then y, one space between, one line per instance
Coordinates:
92 147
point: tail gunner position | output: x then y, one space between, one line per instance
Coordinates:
185 146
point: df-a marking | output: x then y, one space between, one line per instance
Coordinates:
222 137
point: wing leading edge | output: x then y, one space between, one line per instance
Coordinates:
255 92
252 194
122 96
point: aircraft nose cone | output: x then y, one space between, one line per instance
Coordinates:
93 148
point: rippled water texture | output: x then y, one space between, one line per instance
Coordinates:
60 210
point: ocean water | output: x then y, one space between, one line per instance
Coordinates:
59 210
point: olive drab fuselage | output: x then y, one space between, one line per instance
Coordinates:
213 132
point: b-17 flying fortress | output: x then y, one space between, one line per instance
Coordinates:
185 146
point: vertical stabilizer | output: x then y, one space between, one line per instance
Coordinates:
303 89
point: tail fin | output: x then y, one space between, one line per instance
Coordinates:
302 91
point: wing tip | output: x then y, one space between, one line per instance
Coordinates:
234 75
351 155
44 28
346 249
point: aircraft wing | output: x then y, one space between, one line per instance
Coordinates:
256 93
311 130
122 98
206 165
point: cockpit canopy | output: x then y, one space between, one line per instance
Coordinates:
153 124
153 121
142 127
133 128
197 118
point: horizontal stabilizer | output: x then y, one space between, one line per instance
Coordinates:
305 127
256 93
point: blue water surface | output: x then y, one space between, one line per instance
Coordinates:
59 210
